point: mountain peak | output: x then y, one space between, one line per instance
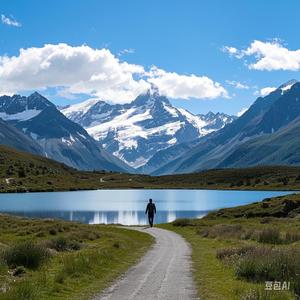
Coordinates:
286 86
150 97
36 94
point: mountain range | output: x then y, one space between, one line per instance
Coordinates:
266 134
151 136
35 124
135 132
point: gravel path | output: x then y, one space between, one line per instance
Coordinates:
163 273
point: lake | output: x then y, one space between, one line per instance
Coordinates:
126 206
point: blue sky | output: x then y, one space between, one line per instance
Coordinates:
179 38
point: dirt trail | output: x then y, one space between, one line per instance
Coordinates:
163 273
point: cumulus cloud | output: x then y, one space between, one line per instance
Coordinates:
266 91
237 84
10 21
269 56
96 72
174 85
230 50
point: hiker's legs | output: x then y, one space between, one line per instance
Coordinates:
150 218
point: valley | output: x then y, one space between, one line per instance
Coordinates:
24 172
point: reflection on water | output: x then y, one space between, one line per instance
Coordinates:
112 217
126 206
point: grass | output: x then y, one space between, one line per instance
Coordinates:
24 172
74 261
26 254
234 251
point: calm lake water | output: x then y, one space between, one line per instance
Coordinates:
126 206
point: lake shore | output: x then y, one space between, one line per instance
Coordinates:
256 178
222 244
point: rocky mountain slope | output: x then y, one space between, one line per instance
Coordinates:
265 134
58 137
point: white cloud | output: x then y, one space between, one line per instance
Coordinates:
242 111
96 72
10 21
266 91
230 50
174 85
237 84
79 69
126 51
269 56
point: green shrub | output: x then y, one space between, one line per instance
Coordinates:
270 236
52 231
27 254
271 264
224 231
182 222
63 244
292 236
227 252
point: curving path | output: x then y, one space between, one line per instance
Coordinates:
163 273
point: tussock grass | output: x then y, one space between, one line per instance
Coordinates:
63 244
262 264
270 236
83 259
183 222
235 250
27 254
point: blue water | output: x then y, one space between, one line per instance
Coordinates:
126 206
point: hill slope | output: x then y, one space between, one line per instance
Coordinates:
22 172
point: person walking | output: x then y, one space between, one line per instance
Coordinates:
151 210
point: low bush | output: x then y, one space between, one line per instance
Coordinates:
224 231
270 236
292 236
228 252
63 244
182 222
27 254
271 264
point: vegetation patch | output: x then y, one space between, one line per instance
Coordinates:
23 172
75 263
235 253
27 254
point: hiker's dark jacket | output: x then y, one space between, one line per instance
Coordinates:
151 209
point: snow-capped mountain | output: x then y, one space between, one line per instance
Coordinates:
136 131
59 138
266 134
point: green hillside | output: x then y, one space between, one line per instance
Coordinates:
22 172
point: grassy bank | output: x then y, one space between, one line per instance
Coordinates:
51 259
24 172
235 251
